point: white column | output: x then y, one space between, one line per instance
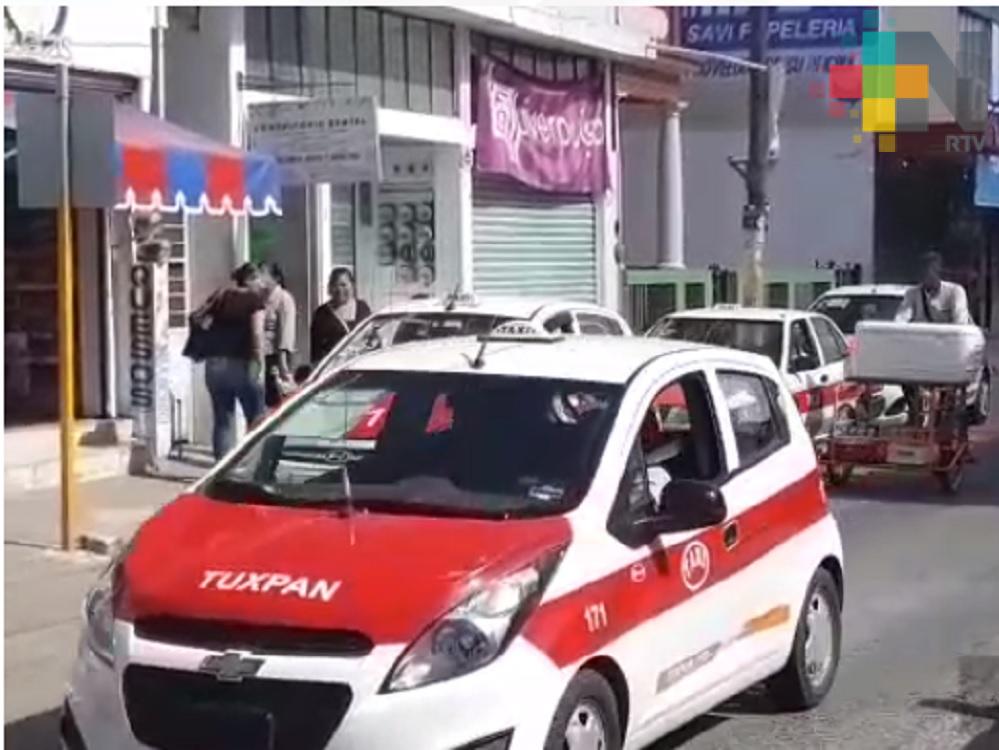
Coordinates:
463 75
608 214
671 252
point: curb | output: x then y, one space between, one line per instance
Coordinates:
96 544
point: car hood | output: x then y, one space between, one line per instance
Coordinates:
386 576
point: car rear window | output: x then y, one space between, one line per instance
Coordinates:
757 336
846 311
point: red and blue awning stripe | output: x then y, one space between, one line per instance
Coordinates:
161 166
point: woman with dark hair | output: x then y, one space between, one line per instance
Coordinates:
279 335
234 364
336 318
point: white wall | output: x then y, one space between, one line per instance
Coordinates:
821 193
118 45
642 204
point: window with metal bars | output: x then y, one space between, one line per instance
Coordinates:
407 62
177 270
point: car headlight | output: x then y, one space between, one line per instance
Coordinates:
100 605
475 632
98 615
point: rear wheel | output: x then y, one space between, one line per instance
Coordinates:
810 670
952 479
982 407
586 717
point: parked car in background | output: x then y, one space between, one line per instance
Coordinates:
848 305
807 347
467 315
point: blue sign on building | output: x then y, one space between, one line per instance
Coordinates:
728 28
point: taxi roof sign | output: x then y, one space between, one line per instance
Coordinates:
520 330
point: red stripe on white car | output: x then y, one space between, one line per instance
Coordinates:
560 629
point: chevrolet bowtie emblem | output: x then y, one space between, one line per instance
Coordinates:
232 666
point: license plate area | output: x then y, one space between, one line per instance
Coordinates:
909 455
211 726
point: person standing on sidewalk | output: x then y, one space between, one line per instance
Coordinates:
279 335
333 320
234 361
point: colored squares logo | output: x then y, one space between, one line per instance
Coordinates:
878 84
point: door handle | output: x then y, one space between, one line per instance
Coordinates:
730 535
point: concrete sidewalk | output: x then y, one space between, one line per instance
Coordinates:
45 588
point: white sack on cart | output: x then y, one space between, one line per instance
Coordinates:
918 353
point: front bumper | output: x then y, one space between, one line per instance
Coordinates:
517 693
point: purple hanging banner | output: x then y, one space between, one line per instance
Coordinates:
549 135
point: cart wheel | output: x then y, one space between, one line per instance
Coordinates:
952 479
838 474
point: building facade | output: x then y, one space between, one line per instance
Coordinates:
835 196
114 60
436 221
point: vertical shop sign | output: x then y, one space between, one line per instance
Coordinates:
149 367
549 135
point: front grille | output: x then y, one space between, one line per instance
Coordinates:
175 710
219 635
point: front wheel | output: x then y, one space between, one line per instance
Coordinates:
810 670
982 407
587 716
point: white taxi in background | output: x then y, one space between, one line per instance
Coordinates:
430 318
517 542
807 348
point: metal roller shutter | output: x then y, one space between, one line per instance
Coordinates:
527 242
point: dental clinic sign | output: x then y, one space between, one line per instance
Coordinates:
549 135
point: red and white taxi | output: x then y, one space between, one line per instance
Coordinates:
515 542
807 347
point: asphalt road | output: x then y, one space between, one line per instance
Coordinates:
920 664
920 667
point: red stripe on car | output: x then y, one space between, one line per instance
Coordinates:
561 629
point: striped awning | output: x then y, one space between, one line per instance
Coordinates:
163 167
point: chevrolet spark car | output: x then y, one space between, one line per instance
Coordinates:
517 542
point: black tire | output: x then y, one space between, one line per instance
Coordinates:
951 481
792 689
838 475
982 407
591 692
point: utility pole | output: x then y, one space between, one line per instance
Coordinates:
755 213
67 355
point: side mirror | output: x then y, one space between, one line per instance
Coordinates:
302 373
686 504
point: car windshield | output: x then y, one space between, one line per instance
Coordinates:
847 311
757 336
460 444
390 329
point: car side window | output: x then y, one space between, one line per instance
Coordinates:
802 353
560 323
757 413
678 439
830 341
598 325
